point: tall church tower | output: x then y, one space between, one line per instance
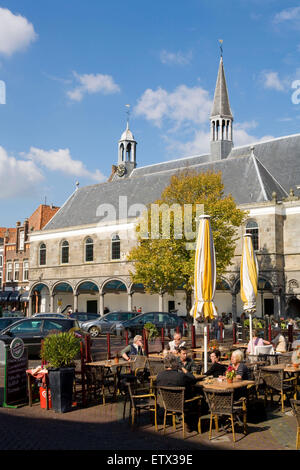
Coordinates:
221 119
126 153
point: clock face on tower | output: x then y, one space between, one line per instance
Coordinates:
121 170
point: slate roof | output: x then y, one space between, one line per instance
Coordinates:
221 106
250 176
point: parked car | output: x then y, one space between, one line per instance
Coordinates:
49 315
6 321
82 317
159 319
9 313
108 323
33 330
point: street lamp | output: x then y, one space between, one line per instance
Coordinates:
261 285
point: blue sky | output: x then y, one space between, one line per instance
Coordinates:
70 67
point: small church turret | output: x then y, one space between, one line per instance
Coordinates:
221 119
126 153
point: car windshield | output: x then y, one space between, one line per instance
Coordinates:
27 326
64 325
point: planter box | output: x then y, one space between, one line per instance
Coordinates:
61 386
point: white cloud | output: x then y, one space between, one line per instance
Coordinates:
182 105
17 177
271 80
175 58
61 160
90 83
16 33
289 14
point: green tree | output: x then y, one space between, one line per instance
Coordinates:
164 261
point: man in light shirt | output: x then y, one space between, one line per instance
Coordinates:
279 342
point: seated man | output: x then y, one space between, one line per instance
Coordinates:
176 343
217 367
172 377
134 349
185 363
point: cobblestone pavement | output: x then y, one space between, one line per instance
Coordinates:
102 427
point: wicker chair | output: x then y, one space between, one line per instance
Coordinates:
296 412
221 403
174 402
97 382
274 381
140 399
284 358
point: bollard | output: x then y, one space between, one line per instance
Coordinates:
108 345
193 337
234 333
270 333
145 343
177 329
290 334
162 339
82 375
126 337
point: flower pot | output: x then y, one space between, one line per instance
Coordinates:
295 366
230 381
116 360
61 386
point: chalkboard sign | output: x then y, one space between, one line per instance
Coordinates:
16 364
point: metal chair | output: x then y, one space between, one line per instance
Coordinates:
97 381
140 399
275 381
284 358
296 412
173 399
221 403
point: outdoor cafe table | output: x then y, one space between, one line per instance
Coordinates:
215 384
285 367
239 346
115 367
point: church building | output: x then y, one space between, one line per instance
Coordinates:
80 257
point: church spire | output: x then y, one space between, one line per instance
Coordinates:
221 118
126 151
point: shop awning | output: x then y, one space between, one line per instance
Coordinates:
14 296
4 295
24 297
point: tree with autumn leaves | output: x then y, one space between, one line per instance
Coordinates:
165 253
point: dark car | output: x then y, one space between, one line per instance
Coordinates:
109 323
10 313
160 319
33 330
82 317
7 321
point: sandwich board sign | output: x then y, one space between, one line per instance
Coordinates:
15 383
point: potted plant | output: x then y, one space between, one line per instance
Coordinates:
60 351
230 374
151 331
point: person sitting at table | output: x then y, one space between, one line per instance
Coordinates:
256 341
134 349
237 363
171 376
217 367
176 343
185 363
279 342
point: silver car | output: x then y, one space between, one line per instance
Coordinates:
109 323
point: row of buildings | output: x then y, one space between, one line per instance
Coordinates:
79 256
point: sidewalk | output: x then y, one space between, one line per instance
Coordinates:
103 428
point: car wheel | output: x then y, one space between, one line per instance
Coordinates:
94 331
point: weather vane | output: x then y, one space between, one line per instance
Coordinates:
128 112
221 48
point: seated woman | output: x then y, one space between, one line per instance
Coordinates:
256 341
241 369
217 367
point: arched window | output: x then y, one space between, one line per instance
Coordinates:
65 252
42 254
115 247
252 228
89 249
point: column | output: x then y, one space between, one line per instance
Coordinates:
30 311
277 305
75 302
234 312
51 303
101 304
130 294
